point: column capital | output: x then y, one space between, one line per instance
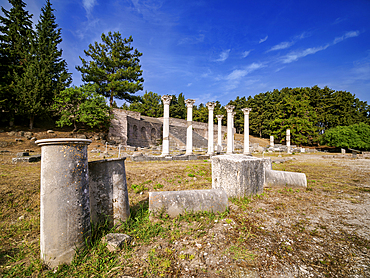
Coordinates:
219 117
189 103
166 99
233 113
211 105
246 111
229 108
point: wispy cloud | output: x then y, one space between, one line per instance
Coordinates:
88 5
282 45
339 20
189 84
347 35
192 40
223 56
246 53
264 39
295 55
237 74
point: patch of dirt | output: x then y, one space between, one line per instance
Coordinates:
321 231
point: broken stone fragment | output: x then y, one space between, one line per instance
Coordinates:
116 241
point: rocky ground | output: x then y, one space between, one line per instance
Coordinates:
321 231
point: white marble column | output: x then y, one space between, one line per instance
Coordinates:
230 135
271 141
288 140
232 125
166 125
189 131
211 107
246 129
219 133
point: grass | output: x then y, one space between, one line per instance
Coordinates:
253 231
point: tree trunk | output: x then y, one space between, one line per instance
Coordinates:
32 118
111 100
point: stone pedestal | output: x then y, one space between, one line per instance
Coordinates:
64 199
246 130
219 133
211 107
108 191
239 175
230 135
189 131
288 141
166 125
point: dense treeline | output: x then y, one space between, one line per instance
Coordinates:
34 80
32 70
307 112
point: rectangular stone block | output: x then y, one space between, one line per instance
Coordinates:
239 175
174 203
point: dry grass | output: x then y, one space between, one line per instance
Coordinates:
322 231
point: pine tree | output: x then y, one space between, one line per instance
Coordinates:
45 72
16 35
114 67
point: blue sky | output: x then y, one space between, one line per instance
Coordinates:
218 50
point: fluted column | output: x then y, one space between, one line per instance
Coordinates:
166 125
246 129
189 131
234 113
230 135
219 133
211 107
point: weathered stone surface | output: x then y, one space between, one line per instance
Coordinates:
64 199
50 131
285 179
239 175
32 158
174 203
21 154
116 241
108 191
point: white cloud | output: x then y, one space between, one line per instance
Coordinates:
295 55
237 74
88 5
264 39
192 40
223 56
282 45
189 84
347 35
246 53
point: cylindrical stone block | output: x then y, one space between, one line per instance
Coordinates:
64 199
174 203
282 178
108 191
271 141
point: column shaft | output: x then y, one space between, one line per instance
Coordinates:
229 109
189 131
166 125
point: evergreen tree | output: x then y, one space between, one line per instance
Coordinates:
113 67
45 73
178 107
15 37
150 105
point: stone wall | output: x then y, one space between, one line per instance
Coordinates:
130 128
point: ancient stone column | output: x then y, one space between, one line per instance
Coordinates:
233 141
166 125
230 135
189 132
271 141
211 107
64 199
246 129
288 140
219 133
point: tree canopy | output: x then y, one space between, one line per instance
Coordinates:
114 67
